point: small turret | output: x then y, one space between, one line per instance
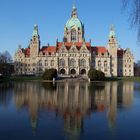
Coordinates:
35 31
112 36
112 32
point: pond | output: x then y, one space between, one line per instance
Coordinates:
70 111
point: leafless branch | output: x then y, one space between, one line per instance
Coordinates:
134 17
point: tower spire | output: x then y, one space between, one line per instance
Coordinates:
74 10
35 31
112 32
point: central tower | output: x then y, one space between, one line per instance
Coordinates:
74 29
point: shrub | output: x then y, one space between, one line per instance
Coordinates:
49 74
96 75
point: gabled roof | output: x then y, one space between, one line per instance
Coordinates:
99 49
27 52
77 44
49 49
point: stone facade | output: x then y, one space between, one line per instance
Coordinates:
74 56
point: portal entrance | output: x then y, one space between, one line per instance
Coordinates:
62 71
73 71
83 71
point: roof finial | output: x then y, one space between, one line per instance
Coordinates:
74 10
56 39
112 28
74 1
90 41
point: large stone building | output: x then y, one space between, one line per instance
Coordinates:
74 56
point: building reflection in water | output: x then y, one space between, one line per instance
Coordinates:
74 101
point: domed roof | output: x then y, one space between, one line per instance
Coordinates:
74 21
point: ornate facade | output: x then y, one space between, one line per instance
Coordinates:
74 56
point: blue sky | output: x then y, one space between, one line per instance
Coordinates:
17 18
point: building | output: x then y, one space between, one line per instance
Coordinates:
74 56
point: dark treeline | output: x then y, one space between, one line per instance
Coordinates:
6 65
137 69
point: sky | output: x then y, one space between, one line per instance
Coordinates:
17 19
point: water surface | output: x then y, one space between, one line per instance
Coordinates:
70 111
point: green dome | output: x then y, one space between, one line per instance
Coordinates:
74 21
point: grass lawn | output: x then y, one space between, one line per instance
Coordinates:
135 79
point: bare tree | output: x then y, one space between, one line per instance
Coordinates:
6 67
134 14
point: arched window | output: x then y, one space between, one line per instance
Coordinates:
34 64
83 62
40 62
72 62
105 66
73 35
46 63
52 62
63 50
73 50
99 65
62 62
